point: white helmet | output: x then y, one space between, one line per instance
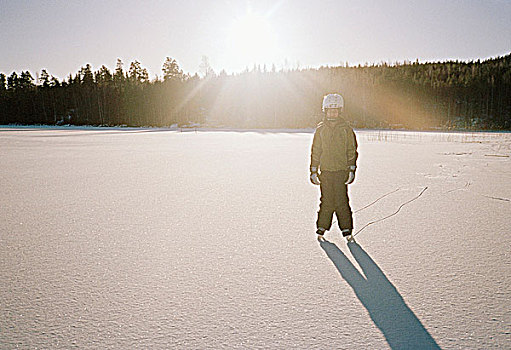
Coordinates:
333 101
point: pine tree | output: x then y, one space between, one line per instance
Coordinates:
171 70
86 75
44 78
137 74
119 73
3 81
13 81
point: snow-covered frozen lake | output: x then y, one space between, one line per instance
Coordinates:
152 238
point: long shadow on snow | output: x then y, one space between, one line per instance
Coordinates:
389 312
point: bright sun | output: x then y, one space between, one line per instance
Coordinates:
252 40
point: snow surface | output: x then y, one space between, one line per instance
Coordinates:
150 238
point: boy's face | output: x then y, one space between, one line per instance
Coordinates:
332 113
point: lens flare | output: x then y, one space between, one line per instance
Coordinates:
252 40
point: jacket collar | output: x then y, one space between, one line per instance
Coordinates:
335 122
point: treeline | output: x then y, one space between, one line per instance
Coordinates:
460 95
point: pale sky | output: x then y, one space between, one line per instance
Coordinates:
64 35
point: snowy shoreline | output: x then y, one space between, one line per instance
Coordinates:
228 129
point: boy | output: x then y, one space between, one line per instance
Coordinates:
334 152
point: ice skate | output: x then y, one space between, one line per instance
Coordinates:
347 233
321 233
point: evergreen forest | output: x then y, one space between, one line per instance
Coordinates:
473 95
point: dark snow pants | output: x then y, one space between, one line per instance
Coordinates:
334 198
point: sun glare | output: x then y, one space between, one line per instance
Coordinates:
252 41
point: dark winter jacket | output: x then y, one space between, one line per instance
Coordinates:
334 147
